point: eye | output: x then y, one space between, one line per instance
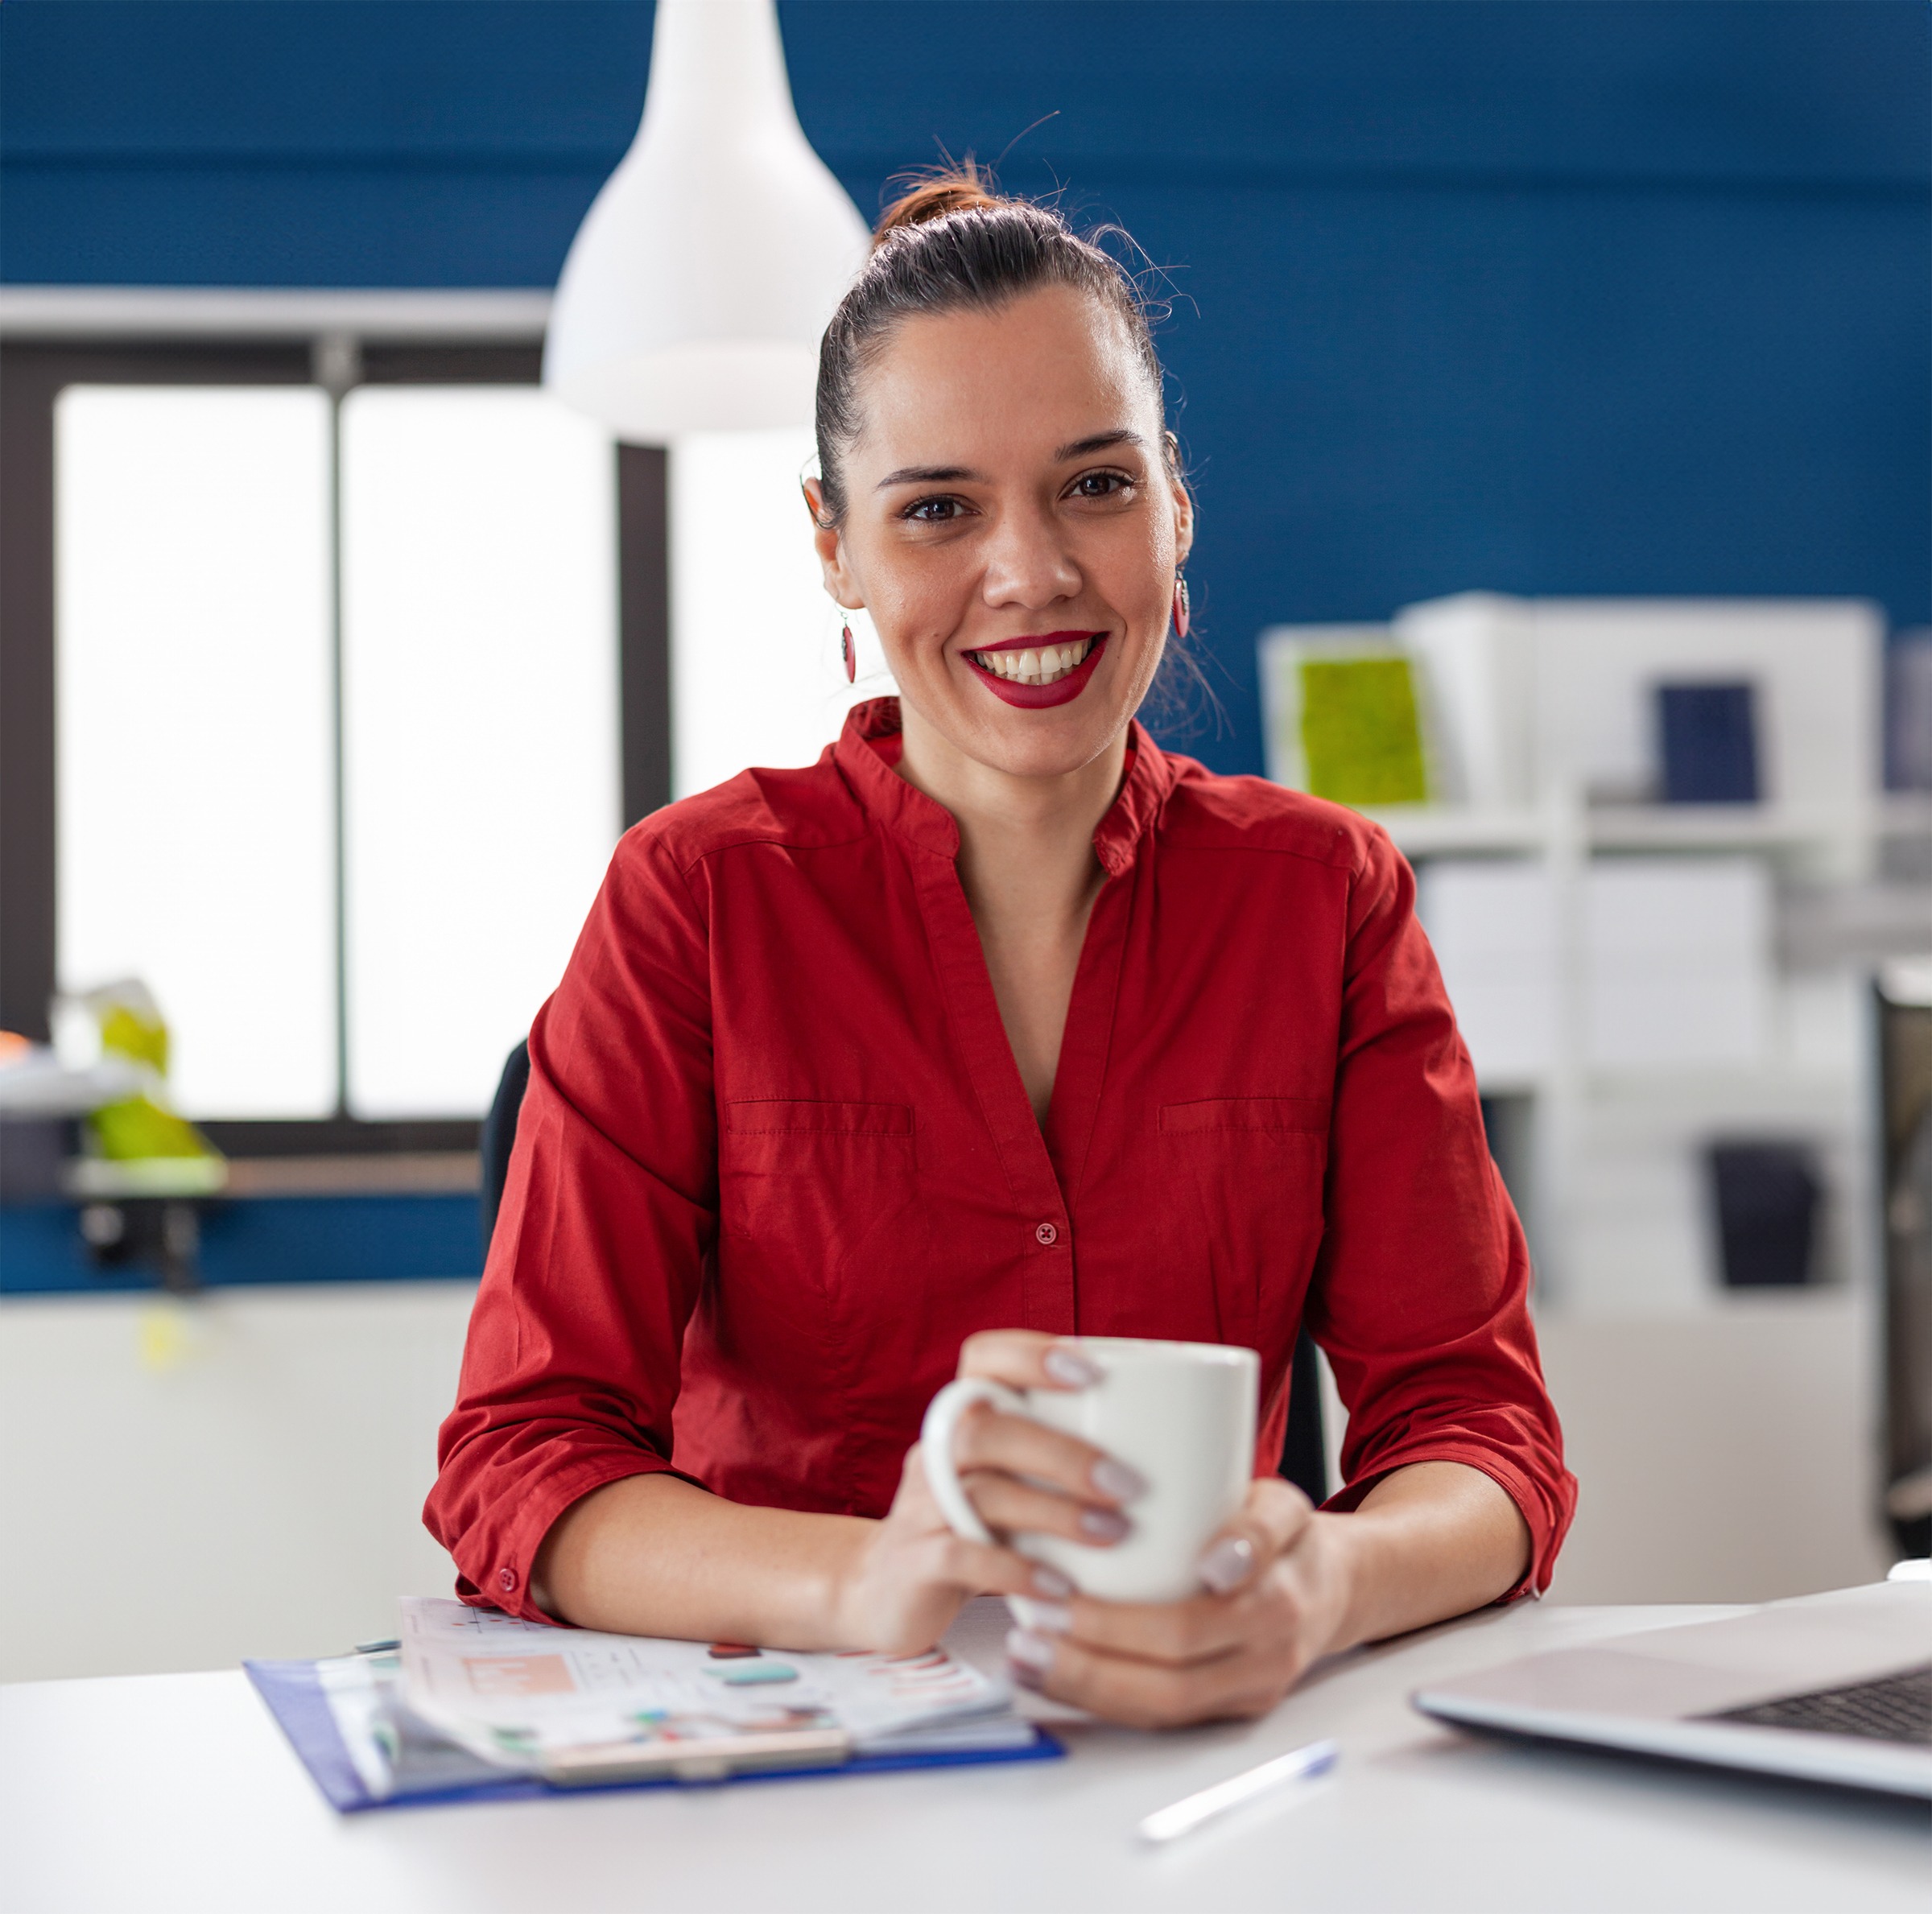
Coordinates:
1100 484
933 511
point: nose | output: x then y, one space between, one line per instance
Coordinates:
1027 563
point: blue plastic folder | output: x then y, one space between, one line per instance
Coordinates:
293 1692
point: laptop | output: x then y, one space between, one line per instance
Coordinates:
1834 1687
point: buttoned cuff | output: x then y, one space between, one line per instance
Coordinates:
1546 1527
503 1580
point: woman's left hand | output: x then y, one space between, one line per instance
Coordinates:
1275 1597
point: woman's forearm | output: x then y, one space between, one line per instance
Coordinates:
1429 1541
653 1555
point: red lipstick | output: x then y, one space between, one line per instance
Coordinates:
1037 697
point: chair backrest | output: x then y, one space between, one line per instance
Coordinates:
1304 1452
499 1133
1304 1448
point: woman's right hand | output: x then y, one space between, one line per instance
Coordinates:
905 1586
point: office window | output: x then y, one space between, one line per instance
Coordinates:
322 702
480 776
193 743
756 675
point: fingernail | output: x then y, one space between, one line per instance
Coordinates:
1048 1617
1104 1524
1030 1654
1069 1366
1051 1583
1227 1564
1116 1480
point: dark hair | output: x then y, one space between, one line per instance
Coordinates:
951 243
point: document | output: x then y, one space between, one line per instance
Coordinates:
525 1695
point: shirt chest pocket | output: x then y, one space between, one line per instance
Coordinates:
810 1179
1248 1173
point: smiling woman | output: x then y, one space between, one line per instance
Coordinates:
993 447
997 1029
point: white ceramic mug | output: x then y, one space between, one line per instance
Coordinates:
1183 1414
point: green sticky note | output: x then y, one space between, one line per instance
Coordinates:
1361 738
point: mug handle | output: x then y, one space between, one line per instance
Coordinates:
936 1448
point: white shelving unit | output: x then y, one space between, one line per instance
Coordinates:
1609 1171
1726 1440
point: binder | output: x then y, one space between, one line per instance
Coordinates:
292 1691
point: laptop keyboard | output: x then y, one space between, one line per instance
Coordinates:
1894 1707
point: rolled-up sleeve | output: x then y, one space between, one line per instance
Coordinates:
1421 1293
571 1372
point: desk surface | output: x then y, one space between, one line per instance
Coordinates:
176 1793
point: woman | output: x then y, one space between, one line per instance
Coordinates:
996 1026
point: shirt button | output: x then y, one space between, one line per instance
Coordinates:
1047 1234
506 1580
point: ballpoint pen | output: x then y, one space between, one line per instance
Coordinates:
1184 1817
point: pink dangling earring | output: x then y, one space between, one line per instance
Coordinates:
850 653
1181 612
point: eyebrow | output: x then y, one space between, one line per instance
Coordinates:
948 475
930 475
1100 442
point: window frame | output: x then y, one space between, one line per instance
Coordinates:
33 373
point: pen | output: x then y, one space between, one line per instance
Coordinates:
1184 1817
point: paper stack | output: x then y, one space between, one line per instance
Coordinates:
472 1695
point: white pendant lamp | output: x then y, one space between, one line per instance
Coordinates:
696 289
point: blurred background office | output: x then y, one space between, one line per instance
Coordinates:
1556 376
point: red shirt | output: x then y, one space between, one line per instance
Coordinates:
776 1161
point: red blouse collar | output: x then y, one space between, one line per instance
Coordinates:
868 753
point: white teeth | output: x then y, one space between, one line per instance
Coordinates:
1044 664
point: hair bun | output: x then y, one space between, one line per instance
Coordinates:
961 188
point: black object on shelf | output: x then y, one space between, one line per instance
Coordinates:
1767 1197
162 1233
1708 742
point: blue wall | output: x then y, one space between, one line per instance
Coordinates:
272 1240
1547 295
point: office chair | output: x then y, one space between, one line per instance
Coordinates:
1304 1452
499 1133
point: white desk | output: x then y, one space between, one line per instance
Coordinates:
177 1793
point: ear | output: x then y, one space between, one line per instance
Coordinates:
1184 520
1183 501
839 584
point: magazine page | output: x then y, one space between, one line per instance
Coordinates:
522 1693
